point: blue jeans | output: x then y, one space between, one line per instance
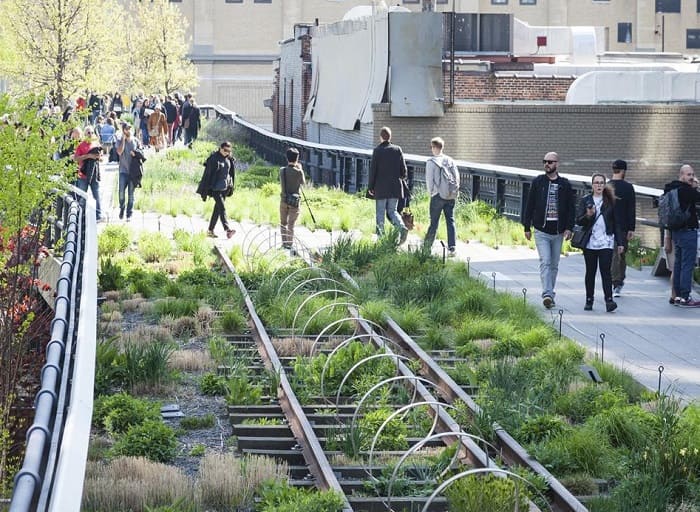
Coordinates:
387 207
124 184
439 205
94 186
549 250
685 245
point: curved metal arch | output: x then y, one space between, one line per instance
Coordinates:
468 472
360 363
331 305
338 347
373 389
357 318
295 272
426 440
307 281
247 250
336 291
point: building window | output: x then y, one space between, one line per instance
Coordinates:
534 2
234 1
698 7
411 1
692 38
499 2
668 6
262 1
624 32
445 1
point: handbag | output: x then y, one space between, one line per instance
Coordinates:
407 217
580 236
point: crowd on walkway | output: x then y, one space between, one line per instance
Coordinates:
158 122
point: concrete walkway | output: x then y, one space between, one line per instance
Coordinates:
643 334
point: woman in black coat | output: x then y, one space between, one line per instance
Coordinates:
596 213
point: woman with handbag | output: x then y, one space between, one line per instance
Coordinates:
601 234
291 180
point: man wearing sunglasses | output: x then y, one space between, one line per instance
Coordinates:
550 209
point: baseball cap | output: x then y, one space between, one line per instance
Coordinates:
620 164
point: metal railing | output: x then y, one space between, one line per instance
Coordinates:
51 477
504 188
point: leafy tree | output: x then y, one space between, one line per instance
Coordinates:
28 175
156 49
60 45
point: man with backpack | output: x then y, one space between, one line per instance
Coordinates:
442 182
626 215
550 209
678 213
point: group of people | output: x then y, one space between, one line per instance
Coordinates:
606 219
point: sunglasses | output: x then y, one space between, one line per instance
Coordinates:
549 161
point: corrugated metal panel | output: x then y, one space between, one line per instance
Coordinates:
415 63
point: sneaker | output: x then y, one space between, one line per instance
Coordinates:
672 301
121 213
589 305
230 233
677 301
690 303
128 218
451 252
211 234
548 302
617 291
403 236
610 306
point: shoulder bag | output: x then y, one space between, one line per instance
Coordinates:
581 235
290 199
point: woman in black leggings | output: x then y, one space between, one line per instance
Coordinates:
596 212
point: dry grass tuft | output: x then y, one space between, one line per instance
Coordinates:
288 347
191 361
112 316
109 329
132 304
146 308
112 296
185 327
133 483
109 306
205 319
227 482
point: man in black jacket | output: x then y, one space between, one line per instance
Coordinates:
626 216
550 209
387 169
685 239
217 182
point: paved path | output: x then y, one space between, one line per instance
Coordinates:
644 333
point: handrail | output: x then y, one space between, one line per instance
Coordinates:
503 187
57 440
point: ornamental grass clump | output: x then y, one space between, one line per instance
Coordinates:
135 484
226 482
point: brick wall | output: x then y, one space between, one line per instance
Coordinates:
654 139
492 87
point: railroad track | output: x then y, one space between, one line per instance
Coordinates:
308 435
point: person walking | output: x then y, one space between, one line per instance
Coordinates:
442 182
387 169
291 181
550 209
87 154
597 214
192 122
157 128
626 216
126 147
685 238
217 181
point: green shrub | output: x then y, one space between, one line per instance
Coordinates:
589 400
540 428
233 321
116 413
152 439
629 427
481 493
577 451
212 385
114 239
198 422
198 450
240 391
393 437
148 364
281 497
111 275
154 247
619 378
222 351
175 307
146 282
110 370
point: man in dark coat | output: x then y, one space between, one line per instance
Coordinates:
217 182
626 215
387 169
